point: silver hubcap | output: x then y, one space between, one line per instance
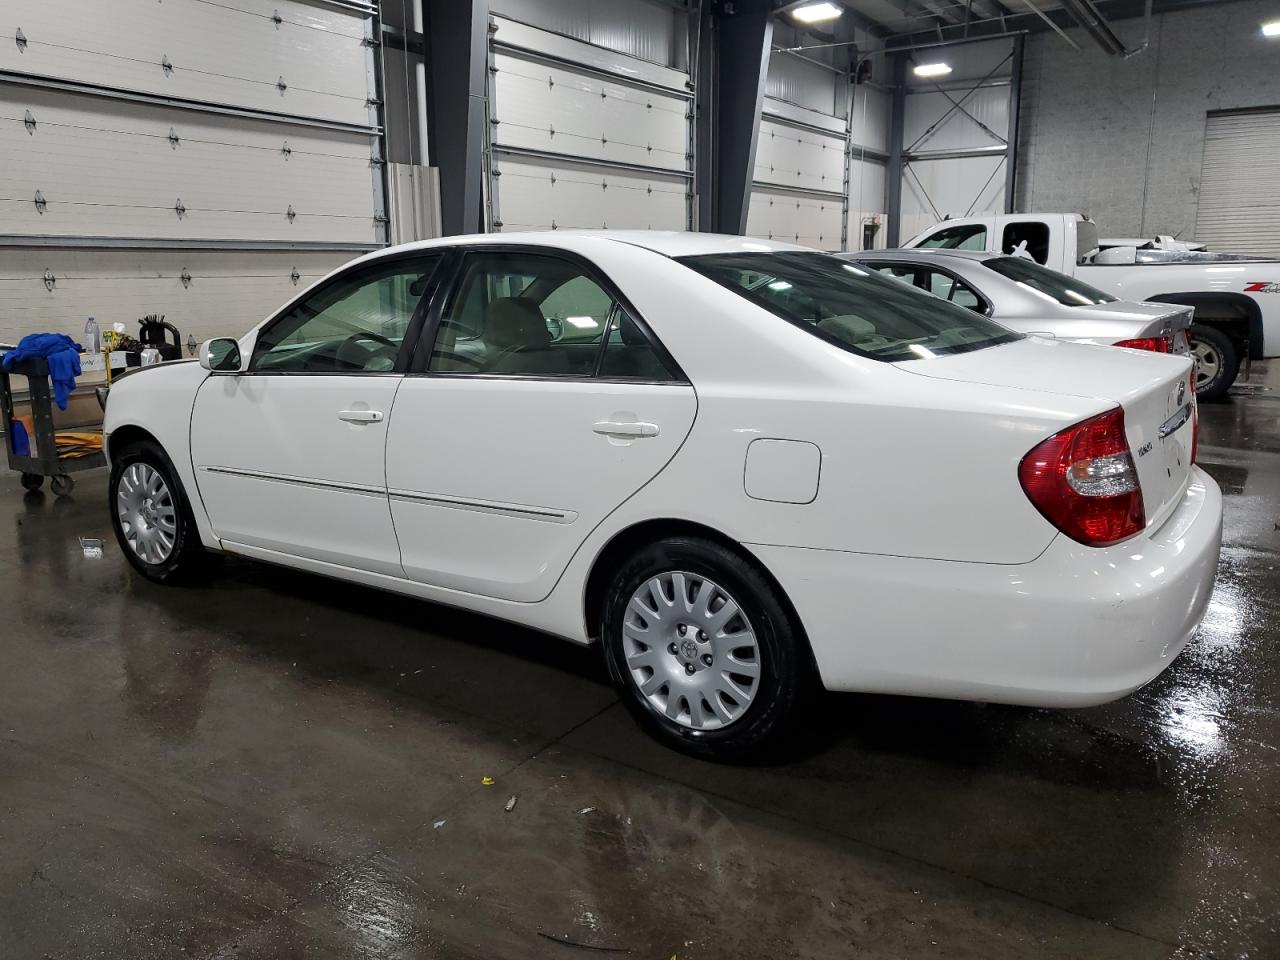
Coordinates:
690 651
147 513
1208 362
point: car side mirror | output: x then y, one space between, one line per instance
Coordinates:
220 355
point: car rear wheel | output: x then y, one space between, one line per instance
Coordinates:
1217 361
151 516
702 648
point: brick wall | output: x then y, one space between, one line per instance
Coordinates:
1087 118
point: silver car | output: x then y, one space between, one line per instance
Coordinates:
1021 294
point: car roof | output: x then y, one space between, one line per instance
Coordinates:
925 253
671 243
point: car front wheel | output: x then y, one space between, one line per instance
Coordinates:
702 648
150 515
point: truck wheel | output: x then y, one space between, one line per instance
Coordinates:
1217 361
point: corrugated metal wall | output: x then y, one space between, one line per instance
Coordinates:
639 28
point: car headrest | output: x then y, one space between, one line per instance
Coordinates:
516 322
631 334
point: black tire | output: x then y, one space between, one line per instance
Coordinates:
782 650
61 485
187 560
1216 343
32 481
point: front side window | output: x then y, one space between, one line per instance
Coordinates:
1067 291
851 306
970 236
355 324
529 314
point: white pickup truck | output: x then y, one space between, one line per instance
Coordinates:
1236 299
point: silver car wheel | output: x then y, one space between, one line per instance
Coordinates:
691 651
148 515
1208 362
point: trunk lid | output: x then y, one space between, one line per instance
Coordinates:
1154 390
1169 320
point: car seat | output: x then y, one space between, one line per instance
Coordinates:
518 341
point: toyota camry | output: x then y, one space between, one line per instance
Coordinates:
735 465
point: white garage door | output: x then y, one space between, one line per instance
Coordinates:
1239 183
798 188
189 158
584 137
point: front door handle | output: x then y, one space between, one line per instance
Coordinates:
360 416
614 428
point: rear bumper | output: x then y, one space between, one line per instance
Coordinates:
1075 627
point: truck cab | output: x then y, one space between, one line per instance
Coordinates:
1236 299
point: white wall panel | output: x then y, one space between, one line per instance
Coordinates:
806 220
543 195
639 28
805 84
230 52
229 292
934 189
988 105
544 107
867 200
798 158
109 169
870 127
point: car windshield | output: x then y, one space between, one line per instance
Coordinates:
852 307
1049 283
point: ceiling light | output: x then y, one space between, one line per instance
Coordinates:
816 12
1271 29
931 69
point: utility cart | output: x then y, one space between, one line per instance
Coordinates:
42 459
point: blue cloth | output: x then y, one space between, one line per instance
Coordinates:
62 354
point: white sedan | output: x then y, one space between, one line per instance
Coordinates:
735 464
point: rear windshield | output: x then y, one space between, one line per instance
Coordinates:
845 304
1067 291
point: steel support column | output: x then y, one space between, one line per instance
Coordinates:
457 40
894 171
740 44
1015 104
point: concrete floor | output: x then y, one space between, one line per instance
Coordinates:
278 766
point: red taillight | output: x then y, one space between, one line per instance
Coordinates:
1154 344
1085 483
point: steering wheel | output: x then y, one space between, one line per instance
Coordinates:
385 348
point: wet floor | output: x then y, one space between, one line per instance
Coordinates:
278 766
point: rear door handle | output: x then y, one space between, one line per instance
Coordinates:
360 416
614 428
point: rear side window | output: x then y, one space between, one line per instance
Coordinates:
1029 239
851 306
1068 291
970 236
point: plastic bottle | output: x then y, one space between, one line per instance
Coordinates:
92 337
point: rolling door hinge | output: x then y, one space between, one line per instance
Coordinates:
287 150
295 276
180 209
291 214
29 121
185 277
281 86
20 39
276 18
166 65
174 140
49 280
40 202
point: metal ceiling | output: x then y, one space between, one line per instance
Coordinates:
901 22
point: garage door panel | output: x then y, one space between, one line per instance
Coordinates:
1239 205
109 168
217 53
229 291
543 107
806 220
797 158
540 195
